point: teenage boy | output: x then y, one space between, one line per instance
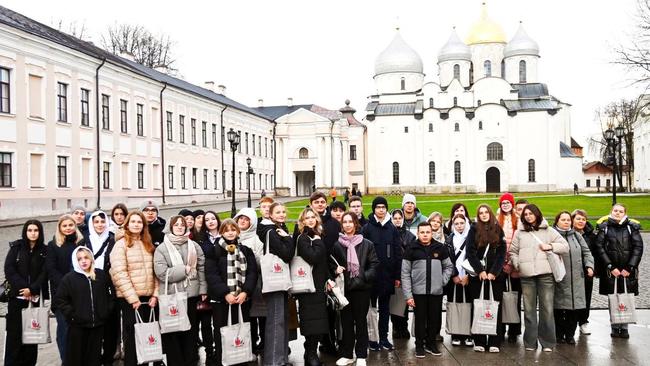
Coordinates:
356 206
426 269
337 209
412 215
519 206
156 224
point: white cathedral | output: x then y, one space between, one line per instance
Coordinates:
487 124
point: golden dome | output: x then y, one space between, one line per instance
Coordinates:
485 30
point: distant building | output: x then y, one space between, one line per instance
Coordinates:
642 148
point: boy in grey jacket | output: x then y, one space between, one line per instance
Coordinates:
426 269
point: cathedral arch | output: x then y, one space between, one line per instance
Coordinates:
303 153
494 151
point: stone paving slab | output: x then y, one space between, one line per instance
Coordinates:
594 350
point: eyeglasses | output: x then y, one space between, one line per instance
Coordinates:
149 210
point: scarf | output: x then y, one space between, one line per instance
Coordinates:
172 243
459 239
97 239
235 265
350 243
439 235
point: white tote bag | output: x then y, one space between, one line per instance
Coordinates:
397 303
173 310
555 262
302 279
485 313
276 274
509 312
236 344
373 324
36 323
468 267
148 342
622 307
459 315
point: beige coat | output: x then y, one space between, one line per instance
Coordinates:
132 271
526 255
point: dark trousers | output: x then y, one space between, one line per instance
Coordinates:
513 329
61 334
17 353
311 345
204 323
428 319
220 319
329 340
355 325
384 313
566 322
111 335
400 323
180 347
84 346
258 327
583 314
128 322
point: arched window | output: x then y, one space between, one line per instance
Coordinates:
395 173
456 127
480 125
522 71
487 68
430 127
432 172
503 69
495 151
455 101
402 84
457 71
430 102
303 153
531 170
457 171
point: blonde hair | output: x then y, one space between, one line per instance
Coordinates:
301 221
229 223
91 270
434 215
59 238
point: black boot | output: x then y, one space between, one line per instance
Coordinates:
312 359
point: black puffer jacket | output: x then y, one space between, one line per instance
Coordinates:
59 260
621 245
216 272
25 268
84 302
331 230
282 246
156 231
368 265
589 234
313 307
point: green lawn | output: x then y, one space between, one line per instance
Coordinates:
549 203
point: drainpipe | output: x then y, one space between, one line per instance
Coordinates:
332 153
223 141
97 132
275 154
162 143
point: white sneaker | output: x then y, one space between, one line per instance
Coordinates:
361 362
479 349
494 349
455 342
469 342
344 361
584 329
547 349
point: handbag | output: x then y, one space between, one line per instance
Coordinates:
336 298
276 275
459 315
204 305
302 278
236 344
148 341
509 312
36 323
622 307
468 267
173 310
397 303
258 304
485 313
5 291
373 324
555 262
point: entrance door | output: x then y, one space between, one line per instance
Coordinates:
304 183
492 180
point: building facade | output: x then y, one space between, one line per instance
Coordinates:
486 124
641 139
81 126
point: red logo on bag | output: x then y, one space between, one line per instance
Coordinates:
151 340
173 310
277 268
239 342
301 272
622 307
35 324
488 315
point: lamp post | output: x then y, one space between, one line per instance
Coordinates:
313 187
611 143
619 131
248 179
234 139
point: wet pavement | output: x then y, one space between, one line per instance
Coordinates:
594 350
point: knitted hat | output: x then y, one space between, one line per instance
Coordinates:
185 212
408 198
78 208
379 200
198 212
147 204
507 197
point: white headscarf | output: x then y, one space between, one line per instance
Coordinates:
77 268
97 239
459 239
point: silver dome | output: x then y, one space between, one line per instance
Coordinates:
398 57
521 44
455 49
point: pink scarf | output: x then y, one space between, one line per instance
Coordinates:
350 243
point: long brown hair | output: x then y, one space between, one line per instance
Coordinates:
538 217
487 232
144 237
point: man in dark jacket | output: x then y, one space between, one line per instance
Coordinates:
356 206
381 231
156 224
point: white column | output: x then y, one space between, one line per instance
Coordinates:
327 168
345 164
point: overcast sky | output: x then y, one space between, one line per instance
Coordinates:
324 52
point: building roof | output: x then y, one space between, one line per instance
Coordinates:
485 30
566 152
275 112
528 105
531 90
28 25
521 44
398 57
454 49
575 144
596 166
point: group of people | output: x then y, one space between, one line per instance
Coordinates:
100 269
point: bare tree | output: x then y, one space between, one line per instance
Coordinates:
635 54
153 51
73 28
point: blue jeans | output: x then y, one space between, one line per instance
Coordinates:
540 288
384 314
276 346
61 334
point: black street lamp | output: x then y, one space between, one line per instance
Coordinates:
234 139
611 144
313 187
248 179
